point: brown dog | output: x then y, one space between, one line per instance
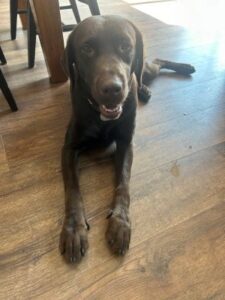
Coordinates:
104 58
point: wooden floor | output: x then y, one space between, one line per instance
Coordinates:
177 186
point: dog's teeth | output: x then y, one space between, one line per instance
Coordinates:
117 108
107 114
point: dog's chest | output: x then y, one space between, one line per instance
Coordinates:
101 133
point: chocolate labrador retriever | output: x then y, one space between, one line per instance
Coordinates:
104 59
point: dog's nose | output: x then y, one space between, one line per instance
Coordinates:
111 88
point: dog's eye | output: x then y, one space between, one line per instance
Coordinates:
125 47
88 50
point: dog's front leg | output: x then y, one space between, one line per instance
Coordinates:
73 239
119 228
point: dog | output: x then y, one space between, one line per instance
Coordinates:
105 62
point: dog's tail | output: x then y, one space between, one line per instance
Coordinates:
152 70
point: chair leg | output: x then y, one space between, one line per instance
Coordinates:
2 57
93 5
31 39
13 17
75 10
7 93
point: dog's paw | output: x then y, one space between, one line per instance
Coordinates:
118 233
185 69
73 242
144 93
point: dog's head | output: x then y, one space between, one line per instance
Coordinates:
104 52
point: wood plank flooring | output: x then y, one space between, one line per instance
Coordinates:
177 187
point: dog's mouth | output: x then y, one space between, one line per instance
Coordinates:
112 113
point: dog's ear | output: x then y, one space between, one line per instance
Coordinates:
139 55
68 60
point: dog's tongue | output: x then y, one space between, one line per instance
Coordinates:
108 114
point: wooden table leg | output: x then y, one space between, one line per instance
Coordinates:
48 23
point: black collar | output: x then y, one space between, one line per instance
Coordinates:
93 103
87 95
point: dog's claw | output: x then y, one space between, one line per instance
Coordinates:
110 242
82 251
109 214
87 225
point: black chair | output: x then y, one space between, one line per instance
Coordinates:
4 86
14 11
2 57
31 38
93 6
